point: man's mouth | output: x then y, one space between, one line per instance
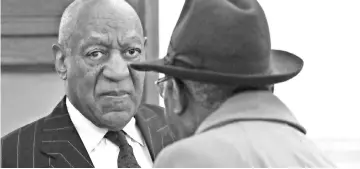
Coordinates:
115 94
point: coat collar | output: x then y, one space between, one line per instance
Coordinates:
251 105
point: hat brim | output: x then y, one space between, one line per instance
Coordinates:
283 65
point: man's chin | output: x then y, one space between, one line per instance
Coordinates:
116 120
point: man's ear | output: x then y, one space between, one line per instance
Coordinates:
60 66
178 105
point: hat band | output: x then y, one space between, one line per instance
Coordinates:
197 63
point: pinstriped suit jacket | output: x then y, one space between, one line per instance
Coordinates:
53 141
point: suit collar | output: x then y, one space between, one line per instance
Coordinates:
252 105
61 142
90 134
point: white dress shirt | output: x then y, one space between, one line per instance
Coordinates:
103 152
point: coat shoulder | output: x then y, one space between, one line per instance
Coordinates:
203 151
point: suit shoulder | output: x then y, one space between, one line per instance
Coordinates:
19 140
14 133
9 141
150 107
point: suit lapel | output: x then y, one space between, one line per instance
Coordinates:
61 142
156 133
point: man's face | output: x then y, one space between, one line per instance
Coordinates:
99 82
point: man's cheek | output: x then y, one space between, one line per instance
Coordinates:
137 78
142 57
90 82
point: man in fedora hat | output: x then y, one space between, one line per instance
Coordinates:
219 73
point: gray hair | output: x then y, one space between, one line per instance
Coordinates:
211 96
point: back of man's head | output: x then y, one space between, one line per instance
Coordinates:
211 96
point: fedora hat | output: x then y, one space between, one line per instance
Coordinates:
224 41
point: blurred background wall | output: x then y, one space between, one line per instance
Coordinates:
30 87
325 33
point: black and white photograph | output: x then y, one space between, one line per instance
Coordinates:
180 84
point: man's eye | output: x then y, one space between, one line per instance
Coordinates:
96 55
133 53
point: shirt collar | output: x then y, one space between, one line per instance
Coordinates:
133 132
91 135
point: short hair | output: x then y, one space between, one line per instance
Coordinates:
212 96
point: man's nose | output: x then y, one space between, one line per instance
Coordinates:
117 68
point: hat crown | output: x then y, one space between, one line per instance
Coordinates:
227 36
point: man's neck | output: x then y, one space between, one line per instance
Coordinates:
199 113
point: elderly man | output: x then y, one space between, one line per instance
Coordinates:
94 125
219 71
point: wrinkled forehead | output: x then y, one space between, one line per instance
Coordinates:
109 14
108 21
